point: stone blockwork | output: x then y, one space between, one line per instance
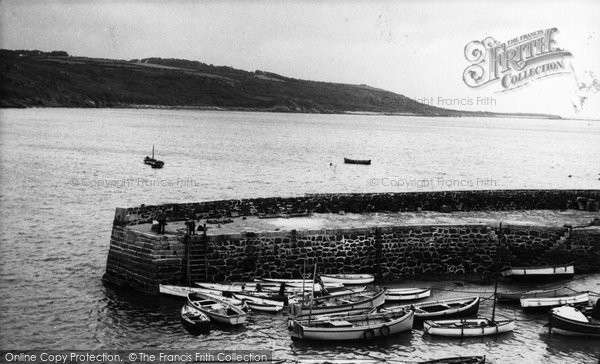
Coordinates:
144 260
443 201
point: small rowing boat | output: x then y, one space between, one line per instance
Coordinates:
510 296
182 291
357 161
468 327
540 273
457 307
347 278
406 294
217 310
259 303
570 321
551 298
299 283
331 316
363 327
340 361
194 320
369 298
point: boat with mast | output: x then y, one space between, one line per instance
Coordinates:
153 162
470 327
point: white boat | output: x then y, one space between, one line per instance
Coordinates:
456 307
468 327
406 294
348 278
363 327
540 273
557 297
182 291
217 310
259 303
508 296
299 284
331 316
332 304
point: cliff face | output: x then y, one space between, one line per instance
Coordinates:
34 78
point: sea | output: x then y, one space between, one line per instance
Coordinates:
64 171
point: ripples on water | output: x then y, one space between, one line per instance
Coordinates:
55 235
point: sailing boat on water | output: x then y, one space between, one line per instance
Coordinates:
153 162
470 327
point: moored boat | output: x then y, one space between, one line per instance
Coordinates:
182 291
540 273
556 297
349 279
406 294
509 296
340 315
363 327
369 298
450 308
458 360
307 285
217 310
340 361
194 320
468 327
357 161
570 321
259 303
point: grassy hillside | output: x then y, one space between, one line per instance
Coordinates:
55 79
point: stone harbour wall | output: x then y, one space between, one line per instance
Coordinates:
443 201
142 261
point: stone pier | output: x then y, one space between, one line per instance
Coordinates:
394 235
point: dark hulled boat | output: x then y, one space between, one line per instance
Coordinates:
194 320
458 360
153 162
568 320
357 161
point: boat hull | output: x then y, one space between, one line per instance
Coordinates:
458 360
376 300
540 273
560 323
194 320
348 279
342 315
547 302
359 332
226 314
467 327
357 161
458 307
406 294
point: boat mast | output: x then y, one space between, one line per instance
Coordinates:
303 283
495 290
312 294
152 151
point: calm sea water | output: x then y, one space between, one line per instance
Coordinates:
63 171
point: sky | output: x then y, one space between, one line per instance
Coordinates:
414 48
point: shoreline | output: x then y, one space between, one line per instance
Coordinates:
459 114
